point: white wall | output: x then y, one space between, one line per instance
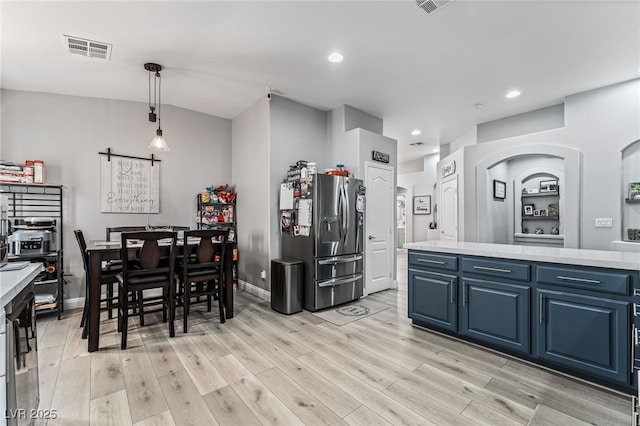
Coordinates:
66 132
420 183
497 220
250 171
598 124
630 173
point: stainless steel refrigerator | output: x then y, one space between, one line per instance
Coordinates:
332 253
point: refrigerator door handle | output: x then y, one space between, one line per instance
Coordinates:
339 281
345 216
340 259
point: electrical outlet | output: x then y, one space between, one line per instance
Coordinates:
604 222
263 274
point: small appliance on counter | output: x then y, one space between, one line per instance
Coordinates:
33 236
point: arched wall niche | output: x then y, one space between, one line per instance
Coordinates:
630 172
491 215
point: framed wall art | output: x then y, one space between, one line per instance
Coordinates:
422 204
499 190
634 191
527 209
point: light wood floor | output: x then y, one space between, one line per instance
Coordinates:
262 367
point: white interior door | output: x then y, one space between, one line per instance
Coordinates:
449 210
379 227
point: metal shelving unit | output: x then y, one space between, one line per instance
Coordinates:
206 210
36 200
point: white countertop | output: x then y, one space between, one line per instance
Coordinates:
601 258
12 282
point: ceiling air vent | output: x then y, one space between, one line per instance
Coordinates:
431 6
416 144
88 48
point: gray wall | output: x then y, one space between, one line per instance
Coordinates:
66 132
354 118
529 122
250 166
296 132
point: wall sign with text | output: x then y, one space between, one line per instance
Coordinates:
129 185
379 156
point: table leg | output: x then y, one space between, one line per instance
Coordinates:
228 278
93 317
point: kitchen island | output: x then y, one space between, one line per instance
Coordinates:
569 309
11 284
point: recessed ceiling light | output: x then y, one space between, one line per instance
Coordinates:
416 143
513 94
436 150
335 57
416 132
477 106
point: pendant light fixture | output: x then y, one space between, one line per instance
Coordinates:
157 143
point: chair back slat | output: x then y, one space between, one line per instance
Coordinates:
120 229
206 254
147 260
82 244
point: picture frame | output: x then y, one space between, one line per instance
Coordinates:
549 185
422 204
499 190
543 212
536 212
554 209
527 209
634 191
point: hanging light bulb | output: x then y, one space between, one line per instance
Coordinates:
158 143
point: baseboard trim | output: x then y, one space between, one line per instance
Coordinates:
75 303
255 290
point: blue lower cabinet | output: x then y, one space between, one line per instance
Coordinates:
432 299
496 313
584 333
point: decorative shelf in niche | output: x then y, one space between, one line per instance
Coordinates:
540 217
542 194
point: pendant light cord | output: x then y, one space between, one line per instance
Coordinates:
159 78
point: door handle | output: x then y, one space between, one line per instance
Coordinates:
371 237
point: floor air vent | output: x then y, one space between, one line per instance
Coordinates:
88 48
431 6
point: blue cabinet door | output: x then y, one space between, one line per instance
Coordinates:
432 299
496 313
584 333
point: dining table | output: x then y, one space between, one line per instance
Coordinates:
100 251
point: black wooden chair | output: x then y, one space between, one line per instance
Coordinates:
201 270
144 271
120 229
107 278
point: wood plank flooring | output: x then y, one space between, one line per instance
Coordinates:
265 368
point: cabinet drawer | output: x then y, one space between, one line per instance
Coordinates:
607 282
498 269
439 261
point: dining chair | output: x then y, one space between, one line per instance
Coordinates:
120 229
107 278
200 272
145 271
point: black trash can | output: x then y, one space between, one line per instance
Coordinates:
287 285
